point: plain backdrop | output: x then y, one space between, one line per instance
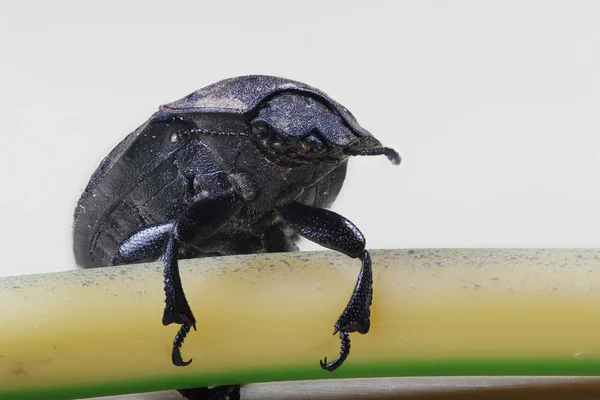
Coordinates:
493 105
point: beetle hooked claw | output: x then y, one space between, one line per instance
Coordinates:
344 353
177 343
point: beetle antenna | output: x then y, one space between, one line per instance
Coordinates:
391 154
177 136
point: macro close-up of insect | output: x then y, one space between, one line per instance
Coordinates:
291 201
246 165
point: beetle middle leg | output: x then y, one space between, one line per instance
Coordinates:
335 232
202 219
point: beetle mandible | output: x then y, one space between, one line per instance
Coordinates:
244 165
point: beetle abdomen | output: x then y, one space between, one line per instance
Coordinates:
135 185
99 232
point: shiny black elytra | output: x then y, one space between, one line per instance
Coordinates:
242 166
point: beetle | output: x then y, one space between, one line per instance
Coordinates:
245 165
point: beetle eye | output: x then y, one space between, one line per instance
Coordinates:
315 144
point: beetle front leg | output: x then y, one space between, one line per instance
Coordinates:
151 242
202 219
177 309
335 232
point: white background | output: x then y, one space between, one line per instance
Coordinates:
494 107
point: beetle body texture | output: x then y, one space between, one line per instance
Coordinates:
242 166
131 190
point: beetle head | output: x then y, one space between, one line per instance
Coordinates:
291 122
304 127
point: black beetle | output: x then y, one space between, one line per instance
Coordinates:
241 166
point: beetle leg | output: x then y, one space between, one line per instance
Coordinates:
335 232
344 352
150 242
231 392
202 219
177 310
147 243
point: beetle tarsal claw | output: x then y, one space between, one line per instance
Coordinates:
177 343
177 360
344 352
323 363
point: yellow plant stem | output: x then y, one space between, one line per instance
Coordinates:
270 316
